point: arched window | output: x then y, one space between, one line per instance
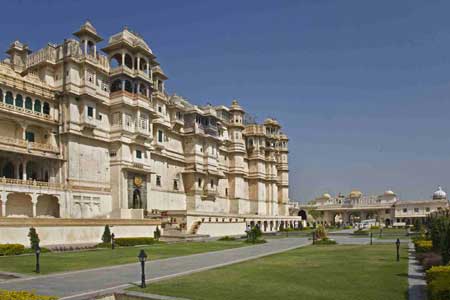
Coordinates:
128 61
1 95
19 100
28 103
37 105
46 108
115 61
116 85
9 99
128 86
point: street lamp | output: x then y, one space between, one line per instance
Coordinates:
142 258
37 251
113 243
371 237
397 243
314 237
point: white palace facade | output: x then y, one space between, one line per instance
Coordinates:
90 134
387 208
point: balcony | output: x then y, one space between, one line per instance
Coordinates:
26 145
22 111
31 183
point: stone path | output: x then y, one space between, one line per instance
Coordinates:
89 283
416 279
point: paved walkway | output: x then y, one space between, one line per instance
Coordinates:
81 284
416 279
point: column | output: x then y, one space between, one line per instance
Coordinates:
24 169
85 47
139 63
123 59
4 200
34 202
17 171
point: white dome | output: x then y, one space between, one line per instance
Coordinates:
439 194
389 193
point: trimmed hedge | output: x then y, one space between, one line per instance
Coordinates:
22 295
423 246
134 241
325 242
227 238
361 232
11 249
438 282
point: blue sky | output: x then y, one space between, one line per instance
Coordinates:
361 87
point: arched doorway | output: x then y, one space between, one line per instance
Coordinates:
302 214
354 217
265 225
387 222
19 205
47 206
137 200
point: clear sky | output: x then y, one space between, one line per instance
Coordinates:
361 87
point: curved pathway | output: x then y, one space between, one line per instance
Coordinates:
89 283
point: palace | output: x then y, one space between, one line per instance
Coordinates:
387 208
93 135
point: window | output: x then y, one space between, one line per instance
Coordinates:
9 98
99 117
138 154
1 95
46 108
199 182
405 210
159 109
387 211
416 209
211 183
158 180
427 209
175 184
29 136
90 111
160 136
28 103
19 100
37 105
226 192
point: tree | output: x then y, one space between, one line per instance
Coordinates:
106 237
34 238
316 214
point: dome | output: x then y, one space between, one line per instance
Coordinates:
355 194
389 193
439 194
326 196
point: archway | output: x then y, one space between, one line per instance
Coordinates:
8 170
116 61
47 206
33 171
128 61
302 214
337 218
354 217
19 205
137 200
265 225
387 222
116 85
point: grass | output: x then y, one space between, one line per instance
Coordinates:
315 273
79 260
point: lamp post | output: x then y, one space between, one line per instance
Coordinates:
113 243
314 237
38 252
397 243
371 234
142 258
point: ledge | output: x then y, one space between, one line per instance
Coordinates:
29 222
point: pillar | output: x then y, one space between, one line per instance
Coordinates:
4 200
24 169
123 59
34 202
139 63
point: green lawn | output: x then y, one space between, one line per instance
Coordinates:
78 260
337 272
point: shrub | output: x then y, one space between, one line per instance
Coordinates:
321 233
11 249
103 245
430 259
374 227
22 295
326 241
348 227
157 234
134 241
106 237
227 238
29 251
34 238
423 246
438 279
